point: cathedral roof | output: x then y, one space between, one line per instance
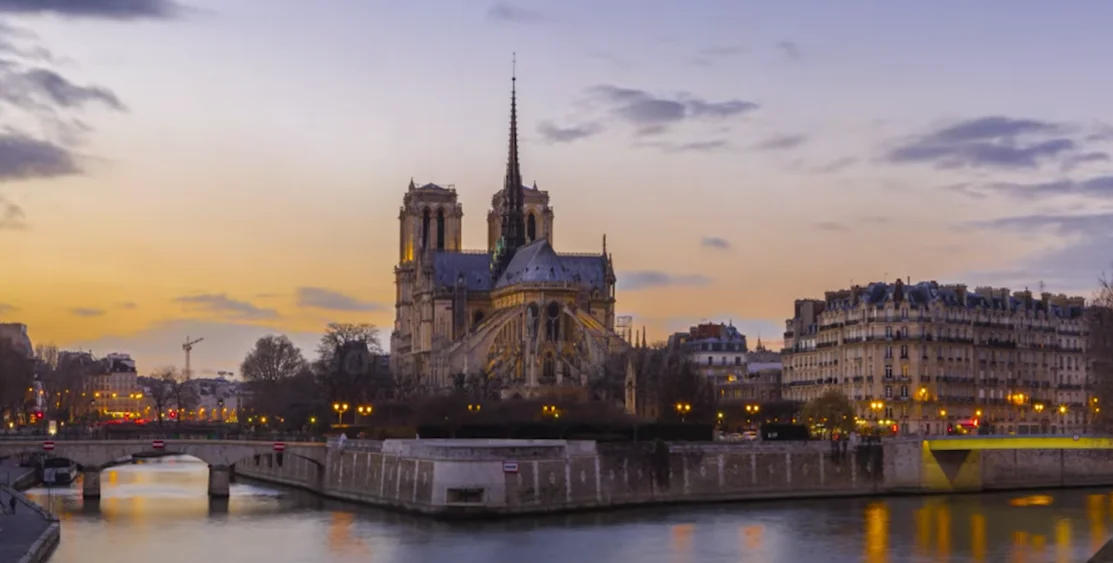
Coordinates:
475 267
535 262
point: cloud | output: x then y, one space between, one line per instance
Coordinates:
780 142
107 9
86 312
718 243
710 55
6 308
222 305
833 166
1097 187
832 227
650 279
507 12
44 96
552 133
989 142
653 114
127 305
11 215
23 157
790 50
696 146
321 298
1083 253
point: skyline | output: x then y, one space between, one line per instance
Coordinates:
240 175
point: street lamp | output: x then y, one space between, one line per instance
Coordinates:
364 410
683 409
340 409
474 408
547 410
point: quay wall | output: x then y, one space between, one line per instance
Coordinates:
41 547
457 477
491 477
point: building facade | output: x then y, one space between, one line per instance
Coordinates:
16 335
722 355
111 386
517 311
928 358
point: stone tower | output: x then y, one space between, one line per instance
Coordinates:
430 219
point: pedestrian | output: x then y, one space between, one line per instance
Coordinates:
11 504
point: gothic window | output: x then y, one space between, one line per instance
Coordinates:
478 318
531 227
425 217
552 323
440 229
549 368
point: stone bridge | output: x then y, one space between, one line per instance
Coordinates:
92 456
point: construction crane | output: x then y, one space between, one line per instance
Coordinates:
188 347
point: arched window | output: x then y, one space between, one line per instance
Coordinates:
425 217
440 229
531 228
478 318
552 322
548 371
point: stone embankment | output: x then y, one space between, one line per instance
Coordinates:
30 533
452 478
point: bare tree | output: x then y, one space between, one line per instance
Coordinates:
273 358
47 354
349 366
1099 352
161 389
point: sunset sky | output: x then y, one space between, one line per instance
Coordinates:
227 169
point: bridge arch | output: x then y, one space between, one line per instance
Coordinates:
92 456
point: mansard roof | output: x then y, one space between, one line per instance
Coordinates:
926 294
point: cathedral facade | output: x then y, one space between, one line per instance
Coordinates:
517 312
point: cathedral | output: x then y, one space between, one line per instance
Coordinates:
518 312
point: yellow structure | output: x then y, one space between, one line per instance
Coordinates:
517 311
936 357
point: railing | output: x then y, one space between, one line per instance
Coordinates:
100 436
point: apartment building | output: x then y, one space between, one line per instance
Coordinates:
722 355
112 387
928 358
16 335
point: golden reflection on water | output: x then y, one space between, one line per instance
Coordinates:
877 532
1095 513
977 536
1062 541
943 530
340 538
751 537
681 535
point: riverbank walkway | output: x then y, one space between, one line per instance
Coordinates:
20 530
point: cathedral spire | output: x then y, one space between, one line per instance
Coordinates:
513 204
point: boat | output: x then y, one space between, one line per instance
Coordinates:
59 471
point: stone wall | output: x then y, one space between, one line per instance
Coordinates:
450 477
1021 469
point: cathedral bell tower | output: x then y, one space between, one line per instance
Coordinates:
513 223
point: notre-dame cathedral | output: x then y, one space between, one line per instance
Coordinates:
519 311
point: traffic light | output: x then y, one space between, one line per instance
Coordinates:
39 415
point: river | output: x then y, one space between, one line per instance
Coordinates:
158 512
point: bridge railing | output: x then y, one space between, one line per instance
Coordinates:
101 436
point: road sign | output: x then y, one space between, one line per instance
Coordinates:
509 467
279 446
158 444
48 446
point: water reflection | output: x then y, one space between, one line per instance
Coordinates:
158 511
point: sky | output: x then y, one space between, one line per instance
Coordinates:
229 169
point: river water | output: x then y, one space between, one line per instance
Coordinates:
158 512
